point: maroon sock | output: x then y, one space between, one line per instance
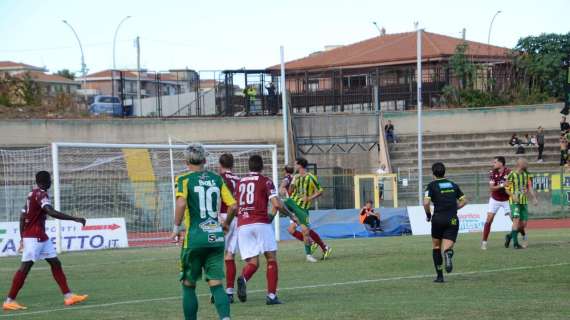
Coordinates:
316 238
230 273
17 284
59 277
298 235
272 277
486 231
248 271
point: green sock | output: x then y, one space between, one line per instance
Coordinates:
515 237
189 303
221 301
307 249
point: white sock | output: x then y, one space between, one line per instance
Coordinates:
8 300
230 290
271 296
67 295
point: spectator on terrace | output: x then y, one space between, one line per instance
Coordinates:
540 143
514 142
528 140
390 132
272 98
533 140
369 217
564 126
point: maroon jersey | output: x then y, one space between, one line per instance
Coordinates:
231 181
253 194
35 216
497 177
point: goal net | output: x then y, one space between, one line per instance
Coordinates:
129 186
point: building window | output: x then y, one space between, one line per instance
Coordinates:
313 85
354 82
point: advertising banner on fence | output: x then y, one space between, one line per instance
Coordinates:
471 219
97 234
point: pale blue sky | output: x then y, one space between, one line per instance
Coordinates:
222 34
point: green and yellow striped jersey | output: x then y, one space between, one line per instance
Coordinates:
304 186
518 186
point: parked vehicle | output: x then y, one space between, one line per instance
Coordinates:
109 105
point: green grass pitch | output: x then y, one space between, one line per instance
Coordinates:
380 278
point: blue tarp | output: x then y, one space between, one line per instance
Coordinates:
335 224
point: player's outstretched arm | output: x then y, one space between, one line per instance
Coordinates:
427 208
178 216
278 206
462 202
62 216
532 193
22 224
231 215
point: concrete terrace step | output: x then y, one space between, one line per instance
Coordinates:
457 143
552 167
505 135
486 158
494 150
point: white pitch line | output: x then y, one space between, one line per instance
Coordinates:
324 285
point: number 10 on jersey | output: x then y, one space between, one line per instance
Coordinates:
209 201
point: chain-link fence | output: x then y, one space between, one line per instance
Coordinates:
344 189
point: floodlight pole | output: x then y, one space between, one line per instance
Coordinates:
491 26
83 66
115 39
419 98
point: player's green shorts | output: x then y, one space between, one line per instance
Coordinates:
193 261
302 214
519 211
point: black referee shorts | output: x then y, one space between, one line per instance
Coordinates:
445 228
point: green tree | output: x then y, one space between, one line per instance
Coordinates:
462 67
539 59
66 74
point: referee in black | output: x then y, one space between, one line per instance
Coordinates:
447 198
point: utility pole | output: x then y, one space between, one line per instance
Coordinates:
139 99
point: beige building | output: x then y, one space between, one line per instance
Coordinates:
49 84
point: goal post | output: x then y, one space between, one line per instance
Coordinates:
135 182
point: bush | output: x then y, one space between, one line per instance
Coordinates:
4 101
473 98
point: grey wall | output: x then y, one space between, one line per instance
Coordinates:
467 120
218 130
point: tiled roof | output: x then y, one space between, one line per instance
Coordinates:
392 49
44 77
129 74
17 65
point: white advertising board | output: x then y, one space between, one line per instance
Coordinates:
97 234
471 219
